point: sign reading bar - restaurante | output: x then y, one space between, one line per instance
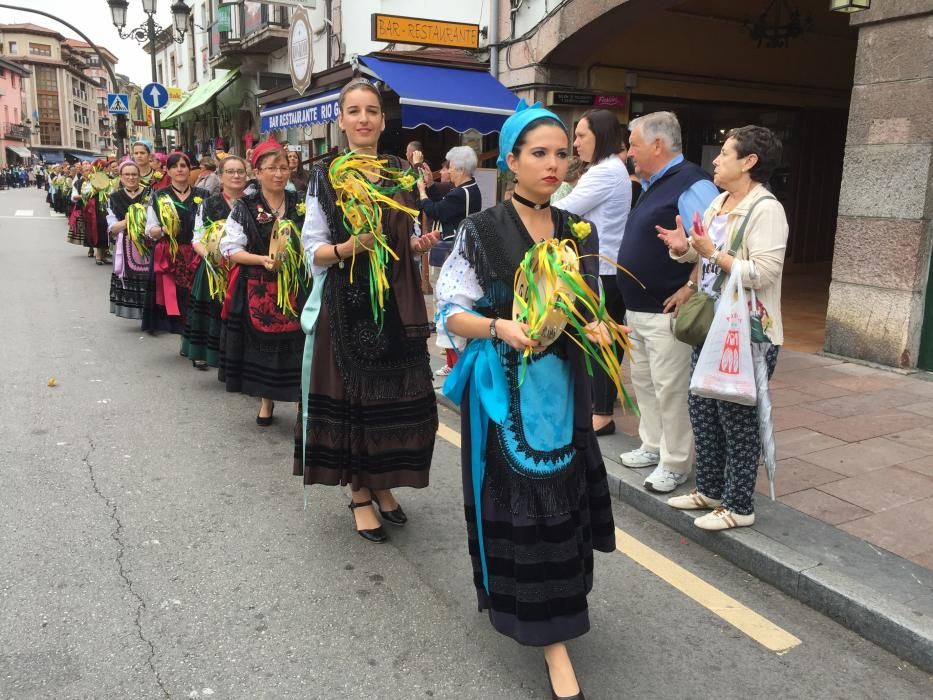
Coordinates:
425 32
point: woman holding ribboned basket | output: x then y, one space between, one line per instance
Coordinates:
743 231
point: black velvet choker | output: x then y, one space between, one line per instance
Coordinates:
528 203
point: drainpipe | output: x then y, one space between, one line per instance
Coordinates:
494 38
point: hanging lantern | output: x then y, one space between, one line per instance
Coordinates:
849 5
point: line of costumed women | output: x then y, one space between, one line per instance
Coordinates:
261 340
369 414
95 194
170 224
200 341
76 224
535 489
126 219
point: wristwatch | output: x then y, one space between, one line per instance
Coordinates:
492 328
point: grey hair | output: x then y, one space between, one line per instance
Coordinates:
462 157
660 125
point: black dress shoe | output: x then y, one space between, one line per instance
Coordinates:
200 364
396 517
608 429
376 535
266 421
554 695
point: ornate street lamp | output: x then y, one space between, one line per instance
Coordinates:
849 5
146 33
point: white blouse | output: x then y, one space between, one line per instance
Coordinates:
234 239
457 291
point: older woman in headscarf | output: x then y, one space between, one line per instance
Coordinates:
126 219
261 340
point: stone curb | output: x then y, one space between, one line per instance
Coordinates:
889 624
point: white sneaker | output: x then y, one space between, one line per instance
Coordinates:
693 501
444 371
663 480
724 519
640 458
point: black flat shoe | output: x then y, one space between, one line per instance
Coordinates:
555 696
264 421
376 535
608 429
396 517
200 364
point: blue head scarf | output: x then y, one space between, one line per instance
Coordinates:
144 142
515 124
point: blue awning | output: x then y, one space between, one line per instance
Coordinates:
50 156
440 97
78 155
317 109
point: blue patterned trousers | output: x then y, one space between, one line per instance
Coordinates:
728 446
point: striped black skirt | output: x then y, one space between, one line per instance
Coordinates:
201 336
540 568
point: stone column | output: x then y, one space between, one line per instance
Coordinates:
884 231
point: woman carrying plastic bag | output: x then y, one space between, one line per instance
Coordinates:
741 241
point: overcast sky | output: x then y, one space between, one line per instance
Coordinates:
93 18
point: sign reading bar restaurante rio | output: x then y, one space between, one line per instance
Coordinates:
425 32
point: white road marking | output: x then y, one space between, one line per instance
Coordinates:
23 212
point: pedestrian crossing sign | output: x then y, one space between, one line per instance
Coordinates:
118 103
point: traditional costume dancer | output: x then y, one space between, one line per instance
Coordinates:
369 405
150 177
80 190
261 339
536 496
170 223
95 195
126 218
200 341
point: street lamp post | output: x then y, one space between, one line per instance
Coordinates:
147 33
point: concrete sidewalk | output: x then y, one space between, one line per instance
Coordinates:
851 533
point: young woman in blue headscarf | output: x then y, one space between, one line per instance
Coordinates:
535 489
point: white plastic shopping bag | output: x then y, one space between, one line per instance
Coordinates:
724 369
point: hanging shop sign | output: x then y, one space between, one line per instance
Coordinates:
424 32
300 113
300 60
585 99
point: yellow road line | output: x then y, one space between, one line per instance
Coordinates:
732 611
449 434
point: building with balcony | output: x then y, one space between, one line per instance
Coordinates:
14 129
97 111
61 91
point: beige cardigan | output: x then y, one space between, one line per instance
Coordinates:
760 258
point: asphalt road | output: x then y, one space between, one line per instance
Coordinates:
153 544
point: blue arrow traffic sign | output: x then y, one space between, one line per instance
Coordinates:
118 103
155 95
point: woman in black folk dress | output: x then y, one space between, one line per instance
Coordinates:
200 341
535 490
129 283
261 342
371 408
173 258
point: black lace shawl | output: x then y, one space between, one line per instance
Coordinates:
187 210
120 201
252 206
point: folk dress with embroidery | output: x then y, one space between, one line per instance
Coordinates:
535 490
131 281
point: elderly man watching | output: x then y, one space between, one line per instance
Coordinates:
660 362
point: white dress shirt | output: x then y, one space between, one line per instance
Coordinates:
604 196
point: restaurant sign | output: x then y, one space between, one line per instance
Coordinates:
425 32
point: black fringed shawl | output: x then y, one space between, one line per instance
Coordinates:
386 364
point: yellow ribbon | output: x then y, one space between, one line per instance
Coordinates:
171 223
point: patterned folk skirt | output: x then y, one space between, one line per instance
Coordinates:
540 568
76 225
201 337
167 293
366 443
131 280
260 346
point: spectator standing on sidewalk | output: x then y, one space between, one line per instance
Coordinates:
660 362
208 180
604 196
727 439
